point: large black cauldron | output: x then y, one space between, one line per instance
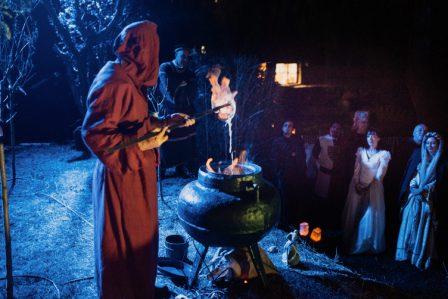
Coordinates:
229 210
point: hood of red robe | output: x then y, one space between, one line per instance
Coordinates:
137 49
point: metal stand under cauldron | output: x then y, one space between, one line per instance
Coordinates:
220 210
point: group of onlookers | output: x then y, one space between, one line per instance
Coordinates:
341 186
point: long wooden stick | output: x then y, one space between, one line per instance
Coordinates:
9 278
132 141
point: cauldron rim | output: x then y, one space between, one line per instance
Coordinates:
255 170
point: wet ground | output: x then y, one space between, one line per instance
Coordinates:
52 234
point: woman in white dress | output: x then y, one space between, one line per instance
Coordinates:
364 212
416 236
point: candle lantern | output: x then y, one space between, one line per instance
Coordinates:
304 229
316 234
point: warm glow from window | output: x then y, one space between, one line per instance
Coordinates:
288 73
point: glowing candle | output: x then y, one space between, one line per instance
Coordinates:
304 229
316 234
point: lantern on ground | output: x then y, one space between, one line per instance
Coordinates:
316 234
304 229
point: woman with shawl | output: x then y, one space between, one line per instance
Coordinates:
416 239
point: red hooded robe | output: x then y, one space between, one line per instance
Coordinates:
124 182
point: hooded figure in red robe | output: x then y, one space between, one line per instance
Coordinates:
124 182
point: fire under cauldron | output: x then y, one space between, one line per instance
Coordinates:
229 210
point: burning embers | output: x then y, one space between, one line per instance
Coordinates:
237 167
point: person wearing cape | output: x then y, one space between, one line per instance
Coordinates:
124 189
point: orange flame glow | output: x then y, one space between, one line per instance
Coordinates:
316 234
233 169
208 166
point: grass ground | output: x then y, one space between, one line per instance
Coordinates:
52 235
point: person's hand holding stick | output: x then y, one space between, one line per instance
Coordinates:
179 120
176 120
154 142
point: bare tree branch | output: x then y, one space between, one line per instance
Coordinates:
61 30
119 6
85 43
16 51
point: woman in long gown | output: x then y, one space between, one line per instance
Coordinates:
364 212
417 231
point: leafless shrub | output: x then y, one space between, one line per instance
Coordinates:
17 40
86 30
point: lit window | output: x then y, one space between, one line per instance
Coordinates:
288 74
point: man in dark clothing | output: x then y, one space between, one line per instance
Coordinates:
412 150
178 88
289 166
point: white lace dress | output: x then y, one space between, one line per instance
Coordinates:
364 212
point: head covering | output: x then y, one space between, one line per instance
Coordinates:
427 171
180 47
137 48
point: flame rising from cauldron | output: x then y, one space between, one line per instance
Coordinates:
235 168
